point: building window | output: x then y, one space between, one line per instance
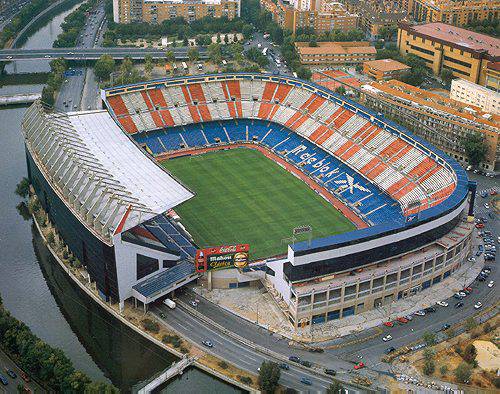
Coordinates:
146 265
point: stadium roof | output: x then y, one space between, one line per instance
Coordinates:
109 183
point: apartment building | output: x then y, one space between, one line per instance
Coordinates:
376 14
453 12
157 11
335 53
319 15
476 95
441 121
385 69
442 46
493 76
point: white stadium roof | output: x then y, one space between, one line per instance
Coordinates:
108 182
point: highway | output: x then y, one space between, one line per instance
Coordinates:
82 54
218 326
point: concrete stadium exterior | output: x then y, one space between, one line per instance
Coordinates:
323 280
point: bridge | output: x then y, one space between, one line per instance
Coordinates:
83 54
174 370
19 99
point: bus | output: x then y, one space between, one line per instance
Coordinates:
264 51
184 66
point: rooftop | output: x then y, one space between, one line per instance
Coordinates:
443 105
351 47
460 37
387 65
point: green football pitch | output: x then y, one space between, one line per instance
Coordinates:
244 197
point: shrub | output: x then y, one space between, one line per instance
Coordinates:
496 382
443 370
151 326
487 328
429 367
470 323
463 372
245 379
429 354
50 238
470 353
223 364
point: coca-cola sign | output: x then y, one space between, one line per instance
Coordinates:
222 257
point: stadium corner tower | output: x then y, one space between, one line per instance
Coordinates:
98 178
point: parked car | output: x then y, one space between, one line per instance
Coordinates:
430 309
284 366
4 380
420 313
445 327
11 373
491 284
387 338
359 365
389 324
478 305
390 350
306 363
442 303
459 304
331 372
402 320
295 359
306 381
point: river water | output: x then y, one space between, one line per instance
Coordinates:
38 292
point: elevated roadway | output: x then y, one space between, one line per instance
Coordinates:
82 54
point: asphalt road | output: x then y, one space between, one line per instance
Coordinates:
6 362
266 43
92 53
344 356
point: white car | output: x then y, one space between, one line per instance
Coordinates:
442 303
486 205
491 284
478 305
420 313
470 259
387 338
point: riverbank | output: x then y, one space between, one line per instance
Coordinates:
133 318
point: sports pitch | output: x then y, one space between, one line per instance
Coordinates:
244 197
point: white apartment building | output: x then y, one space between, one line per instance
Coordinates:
477 95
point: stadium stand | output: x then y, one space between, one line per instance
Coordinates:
167 118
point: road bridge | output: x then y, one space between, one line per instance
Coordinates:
83 54
19 99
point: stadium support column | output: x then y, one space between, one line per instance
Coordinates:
472 189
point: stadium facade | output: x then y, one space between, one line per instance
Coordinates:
96 175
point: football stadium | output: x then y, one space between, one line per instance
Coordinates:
241 179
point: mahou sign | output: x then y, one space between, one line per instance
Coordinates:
222 257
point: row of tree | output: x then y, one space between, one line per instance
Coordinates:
54 80
178 27
73 25
49 365
487 26
24 16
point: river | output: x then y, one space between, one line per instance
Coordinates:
39 293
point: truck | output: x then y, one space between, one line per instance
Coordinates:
168 302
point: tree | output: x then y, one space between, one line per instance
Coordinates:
463 372
215 53
104 66
340 90
475 148
193 54
470 323
269 375
443 370
247 31
148 65
429 354
169 56
48 95
470 353
429 338
388 32
335 388
429 367
446 76
304 73
313 43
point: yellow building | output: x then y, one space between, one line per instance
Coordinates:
441 121
493 76
156 11
319 15
335 53
465 53
458 13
